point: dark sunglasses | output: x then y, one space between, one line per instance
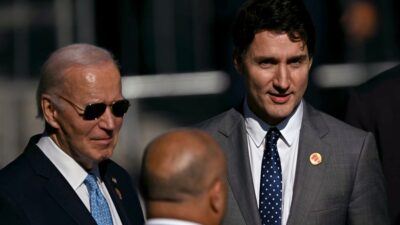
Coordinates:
95 110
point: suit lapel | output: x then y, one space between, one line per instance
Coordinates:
57 187
239 172
117 197
68 199
308 177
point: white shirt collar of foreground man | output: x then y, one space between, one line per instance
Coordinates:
166 221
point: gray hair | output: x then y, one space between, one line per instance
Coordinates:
63 59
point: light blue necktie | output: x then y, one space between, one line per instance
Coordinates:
270 205
98 204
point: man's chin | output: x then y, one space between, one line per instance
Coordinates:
106 155
102 155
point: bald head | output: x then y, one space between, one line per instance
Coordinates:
181 164
63 59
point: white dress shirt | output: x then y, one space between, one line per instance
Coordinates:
75 174
167 221
288 145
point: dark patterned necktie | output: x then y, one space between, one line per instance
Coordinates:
98 204
270 205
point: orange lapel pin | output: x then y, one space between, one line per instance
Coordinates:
315 158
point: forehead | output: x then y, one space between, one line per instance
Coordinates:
276 43
92 80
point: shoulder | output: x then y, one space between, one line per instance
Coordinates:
324 122
22 168
345 142
29 169
225 121
21 183
385 81
17 173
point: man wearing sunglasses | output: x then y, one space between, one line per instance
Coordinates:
65 176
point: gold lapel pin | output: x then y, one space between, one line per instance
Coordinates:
118 192
315 158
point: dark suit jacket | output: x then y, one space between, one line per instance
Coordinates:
375 107
33 191
346 188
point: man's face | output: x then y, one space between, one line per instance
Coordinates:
88 141
276 75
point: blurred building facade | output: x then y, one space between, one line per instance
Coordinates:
153 37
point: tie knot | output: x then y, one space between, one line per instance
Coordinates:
273 135
90 182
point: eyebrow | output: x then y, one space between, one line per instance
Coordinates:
274 60
297 58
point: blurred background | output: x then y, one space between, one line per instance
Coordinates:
175 58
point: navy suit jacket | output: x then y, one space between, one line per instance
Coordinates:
33 191
375 107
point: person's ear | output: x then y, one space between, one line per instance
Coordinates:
238 62
218 197
49 111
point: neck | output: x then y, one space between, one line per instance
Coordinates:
177 210
86 163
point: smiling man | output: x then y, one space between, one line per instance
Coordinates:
288 163
65 176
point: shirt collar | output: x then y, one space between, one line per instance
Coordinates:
257 128
68 167
168 221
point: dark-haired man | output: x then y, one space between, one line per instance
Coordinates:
289 163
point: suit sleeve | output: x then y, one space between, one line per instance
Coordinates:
368 199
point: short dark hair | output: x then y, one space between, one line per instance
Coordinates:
287 16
